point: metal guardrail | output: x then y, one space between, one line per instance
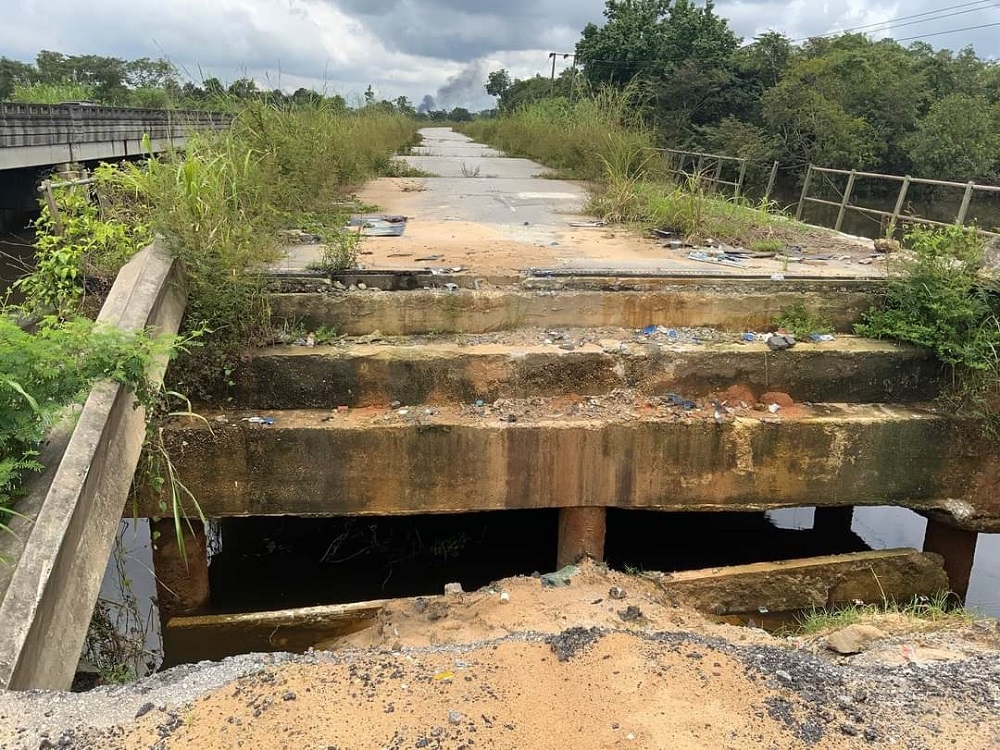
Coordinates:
710 168
844 204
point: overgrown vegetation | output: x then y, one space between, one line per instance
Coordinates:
42 373
578 139
937 299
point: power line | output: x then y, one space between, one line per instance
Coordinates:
894 22
949 31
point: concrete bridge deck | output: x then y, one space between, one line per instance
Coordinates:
34 135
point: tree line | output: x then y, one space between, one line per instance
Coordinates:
850 100
55 78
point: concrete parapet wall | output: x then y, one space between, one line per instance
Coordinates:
75 506
311 464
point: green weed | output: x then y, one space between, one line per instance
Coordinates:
934 609
802 321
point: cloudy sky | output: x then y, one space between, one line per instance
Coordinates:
416 47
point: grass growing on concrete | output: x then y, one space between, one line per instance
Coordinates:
937 299
802 321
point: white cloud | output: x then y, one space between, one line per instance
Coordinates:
402 47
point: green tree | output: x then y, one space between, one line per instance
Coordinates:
497 83
12 73
959 139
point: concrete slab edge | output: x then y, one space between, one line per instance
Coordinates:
47 606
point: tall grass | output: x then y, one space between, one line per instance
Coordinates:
576 138
51 93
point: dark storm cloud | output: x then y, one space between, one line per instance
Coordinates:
463 31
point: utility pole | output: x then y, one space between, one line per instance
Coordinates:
553 56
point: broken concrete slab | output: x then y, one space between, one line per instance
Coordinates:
294 630
312 463
811 583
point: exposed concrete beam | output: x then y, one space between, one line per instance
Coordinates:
730 305
374 463
48 602
847 370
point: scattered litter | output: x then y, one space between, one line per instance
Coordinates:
777 277
403 412
399 255
451 287
725 260
428 258
675 244
396 404
749 336
310 340
504 597
446 676
378 226
259 420
510 418
818 337
443 271
678 400
586 224
480 403
452 588
774 408
617 593
649 330
560 578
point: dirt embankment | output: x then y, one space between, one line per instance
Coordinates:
607 661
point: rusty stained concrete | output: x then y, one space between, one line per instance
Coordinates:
308 464
733 305
846 370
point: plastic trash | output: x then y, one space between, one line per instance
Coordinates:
480 402
818 337
259 420
451 287
560 578
749 336
678 400
649 330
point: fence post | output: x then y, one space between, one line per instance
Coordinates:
966 199
50 201
770 182
847 198
739 180
805 191
900 201
718 172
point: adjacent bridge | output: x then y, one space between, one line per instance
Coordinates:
33 135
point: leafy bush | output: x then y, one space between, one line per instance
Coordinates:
937 299
43 372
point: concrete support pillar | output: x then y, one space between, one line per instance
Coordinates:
581 533
834 519
957 547
181 578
